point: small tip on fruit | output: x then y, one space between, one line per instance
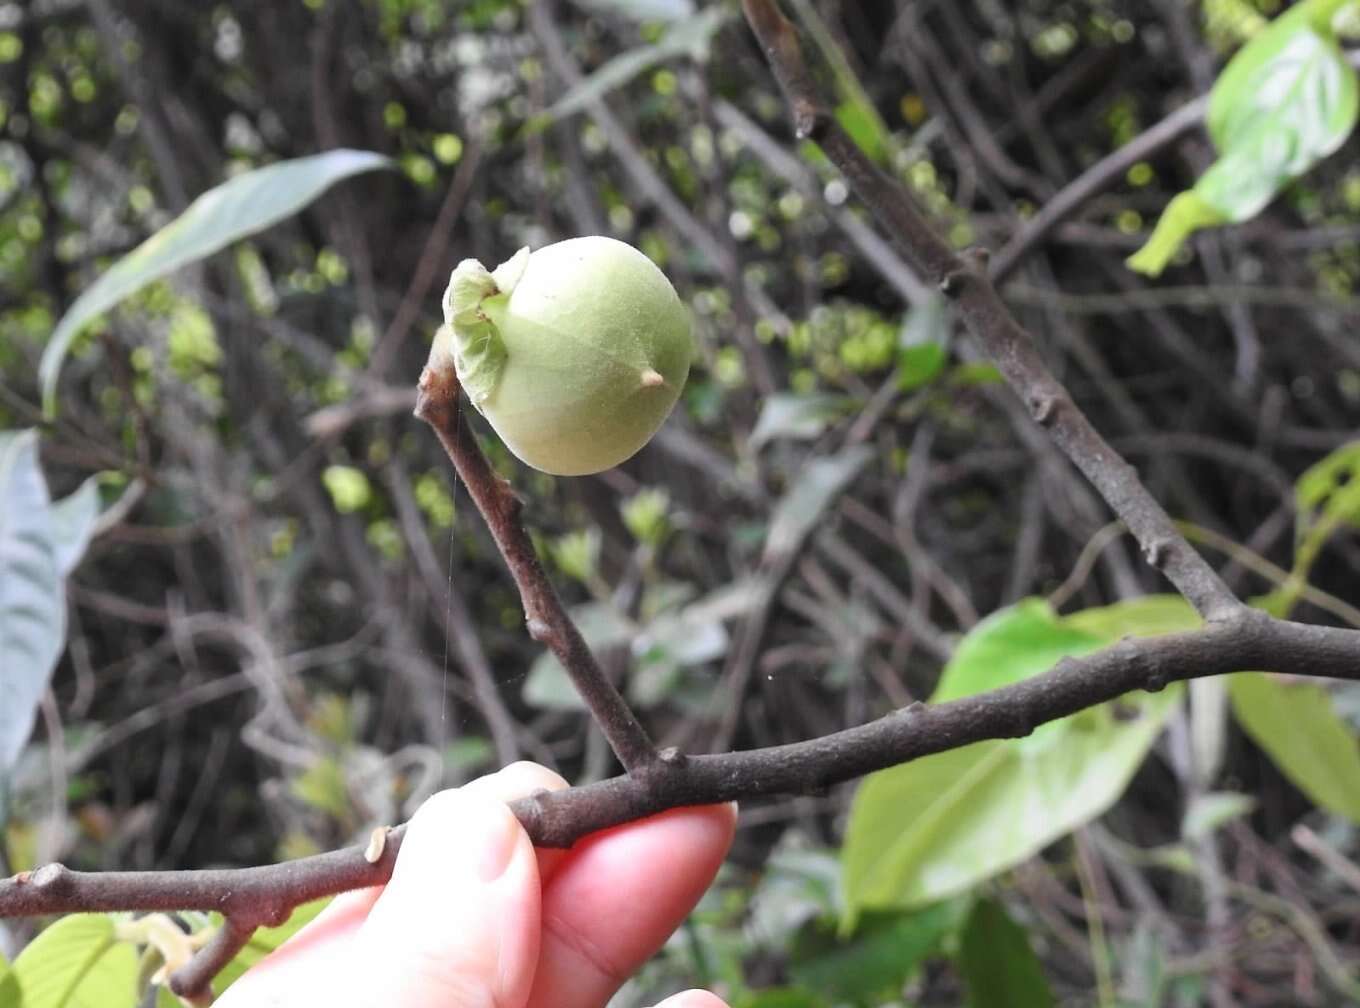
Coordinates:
651 378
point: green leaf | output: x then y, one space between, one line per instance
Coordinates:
813 490
116 970
1329 490
323 786
1184 215
32 599
865 128
239 207
796 885
936 826
1009 646
1147 616
73 521
672 641
919 365
77 963
797 417
998 965
975 373
1297 727
9 986
1268 59
1144 965
688 37
349 488
871 965
780 997
1284 102
645 515
1207 812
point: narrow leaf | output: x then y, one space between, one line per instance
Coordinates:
1207 812
688 37
812 492
32 601
73 522
798 417
239 207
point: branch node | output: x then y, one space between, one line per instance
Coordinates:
538 629
49 876
1158 552
671 758
951 284
977 257
807 119
377 843
1233 611
1043 407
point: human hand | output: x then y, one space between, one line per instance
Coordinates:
474 916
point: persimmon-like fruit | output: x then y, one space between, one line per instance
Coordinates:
575 353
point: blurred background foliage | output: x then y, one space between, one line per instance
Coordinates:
294 628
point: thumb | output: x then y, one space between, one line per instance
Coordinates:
458 924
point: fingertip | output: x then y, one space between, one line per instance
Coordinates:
461 912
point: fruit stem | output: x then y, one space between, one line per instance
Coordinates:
544 614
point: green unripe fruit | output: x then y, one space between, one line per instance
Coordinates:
575 353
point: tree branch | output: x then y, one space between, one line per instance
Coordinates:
1234 638
1247 640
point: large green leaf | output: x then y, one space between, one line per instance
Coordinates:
32 601
1009 646
239 207
1268 61
1297 727
998 965
1285 101
936 826
76 963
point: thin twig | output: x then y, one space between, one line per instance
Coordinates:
991 324
544 614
